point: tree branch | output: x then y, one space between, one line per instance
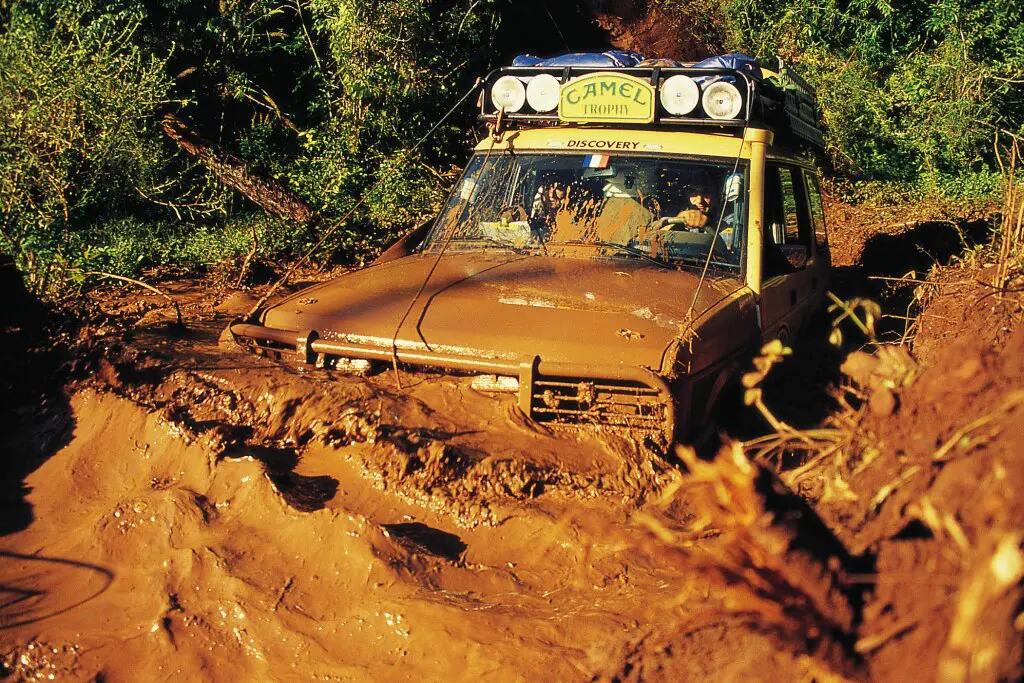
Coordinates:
269 195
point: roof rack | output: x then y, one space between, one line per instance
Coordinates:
783 102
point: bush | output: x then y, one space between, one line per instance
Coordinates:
327 98
911 92
76 103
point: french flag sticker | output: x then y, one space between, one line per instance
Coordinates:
596 161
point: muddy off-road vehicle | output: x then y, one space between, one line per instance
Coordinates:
625 238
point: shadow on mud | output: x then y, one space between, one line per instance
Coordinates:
799 390
420 538
35 414
910 255
304 493
57 586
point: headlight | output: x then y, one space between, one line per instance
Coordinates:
679 95
543 93
722 100
508 93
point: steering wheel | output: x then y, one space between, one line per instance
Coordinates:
666 221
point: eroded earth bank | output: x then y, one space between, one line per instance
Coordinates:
174 509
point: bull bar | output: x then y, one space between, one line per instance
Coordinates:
308 346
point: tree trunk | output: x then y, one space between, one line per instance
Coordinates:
271 196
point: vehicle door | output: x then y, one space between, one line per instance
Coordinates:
821 260
789 275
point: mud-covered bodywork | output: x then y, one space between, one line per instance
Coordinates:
587 340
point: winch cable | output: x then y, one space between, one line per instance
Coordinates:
688 320
444 247
334 228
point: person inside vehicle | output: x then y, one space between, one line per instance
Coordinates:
695 215
547 202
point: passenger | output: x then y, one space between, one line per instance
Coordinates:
549 200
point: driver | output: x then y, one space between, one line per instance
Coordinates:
695 215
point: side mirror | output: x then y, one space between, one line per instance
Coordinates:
404 246
733 187
796 254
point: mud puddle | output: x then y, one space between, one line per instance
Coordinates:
217 516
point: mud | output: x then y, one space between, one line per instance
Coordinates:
176 510
215 515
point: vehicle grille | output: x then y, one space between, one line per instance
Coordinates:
612 403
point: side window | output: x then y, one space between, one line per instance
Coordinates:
796 218
790 218
774 222
817 210
788 230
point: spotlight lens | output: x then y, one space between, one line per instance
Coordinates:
543 93
679 95
722 100
508 93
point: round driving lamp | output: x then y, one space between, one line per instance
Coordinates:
543 93
722 100
508 93
679 95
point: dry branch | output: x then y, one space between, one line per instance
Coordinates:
269 195
145 285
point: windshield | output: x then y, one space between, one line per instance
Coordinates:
674 211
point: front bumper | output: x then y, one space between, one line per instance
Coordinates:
622 397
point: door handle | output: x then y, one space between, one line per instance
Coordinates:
792 298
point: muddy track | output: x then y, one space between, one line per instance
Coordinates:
174 509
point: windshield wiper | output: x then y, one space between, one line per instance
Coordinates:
624 248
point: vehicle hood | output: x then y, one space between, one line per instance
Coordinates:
507 306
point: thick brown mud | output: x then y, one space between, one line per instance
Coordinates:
179 510
243 523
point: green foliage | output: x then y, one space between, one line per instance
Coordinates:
76 103
326 97
395 67
911 91
128 245
329 97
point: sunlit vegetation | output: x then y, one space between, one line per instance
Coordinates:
913 93
327 99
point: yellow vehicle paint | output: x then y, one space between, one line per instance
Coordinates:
585 140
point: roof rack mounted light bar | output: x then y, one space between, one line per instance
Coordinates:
789 106
654 75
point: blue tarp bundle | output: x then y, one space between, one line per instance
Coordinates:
621 58
612 58
736 61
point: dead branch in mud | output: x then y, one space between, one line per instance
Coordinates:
980 646
269 195
140 283
774 562
250 255
1012 228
